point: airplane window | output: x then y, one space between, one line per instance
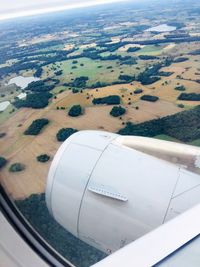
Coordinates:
188 255
99 118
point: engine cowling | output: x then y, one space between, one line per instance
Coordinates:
109 190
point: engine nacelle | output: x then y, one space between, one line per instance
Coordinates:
109 190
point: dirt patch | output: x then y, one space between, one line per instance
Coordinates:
68 47
169 46
88 46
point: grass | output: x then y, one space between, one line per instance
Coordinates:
195 143
57 89
151 50
6 91
187 107
8 63
91 70
4 115
166 138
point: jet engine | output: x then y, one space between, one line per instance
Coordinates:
109 190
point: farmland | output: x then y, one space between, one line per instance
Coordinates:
77 62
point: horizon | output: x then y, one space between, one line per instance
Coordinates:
27 11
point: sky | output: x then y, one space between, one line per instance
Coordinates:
18 8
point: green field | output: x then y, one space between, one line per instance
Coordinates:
7 113
195 142
166 138
96 70
151 50
58 89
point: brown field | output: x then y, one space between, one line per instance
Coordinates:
17 147
68 47
88 46
187 71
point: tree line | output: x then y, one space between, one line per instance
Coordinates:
184 126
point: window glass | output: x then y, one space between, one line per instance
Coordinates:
188 255
122 67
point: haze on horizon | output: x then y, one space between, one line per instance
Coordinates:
20 8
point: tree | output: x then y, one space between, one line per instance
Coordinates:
75 91
35 210
147 57
117 111
184 126
59 72
180 88
40 86
64 133
133 49
43 158
38 72
180 59
36 127
108 100
149 75
138 91
3 162
126 78
75 111
17 167
37 100
149 98
180 105
189 97
165 73
79 82
2 135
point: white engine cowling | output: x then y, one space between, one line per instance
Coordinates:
109 190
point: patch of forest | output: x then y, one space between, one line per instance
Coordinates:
36 100
189 97
36 127
76 251
184 126
108 100
150 74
